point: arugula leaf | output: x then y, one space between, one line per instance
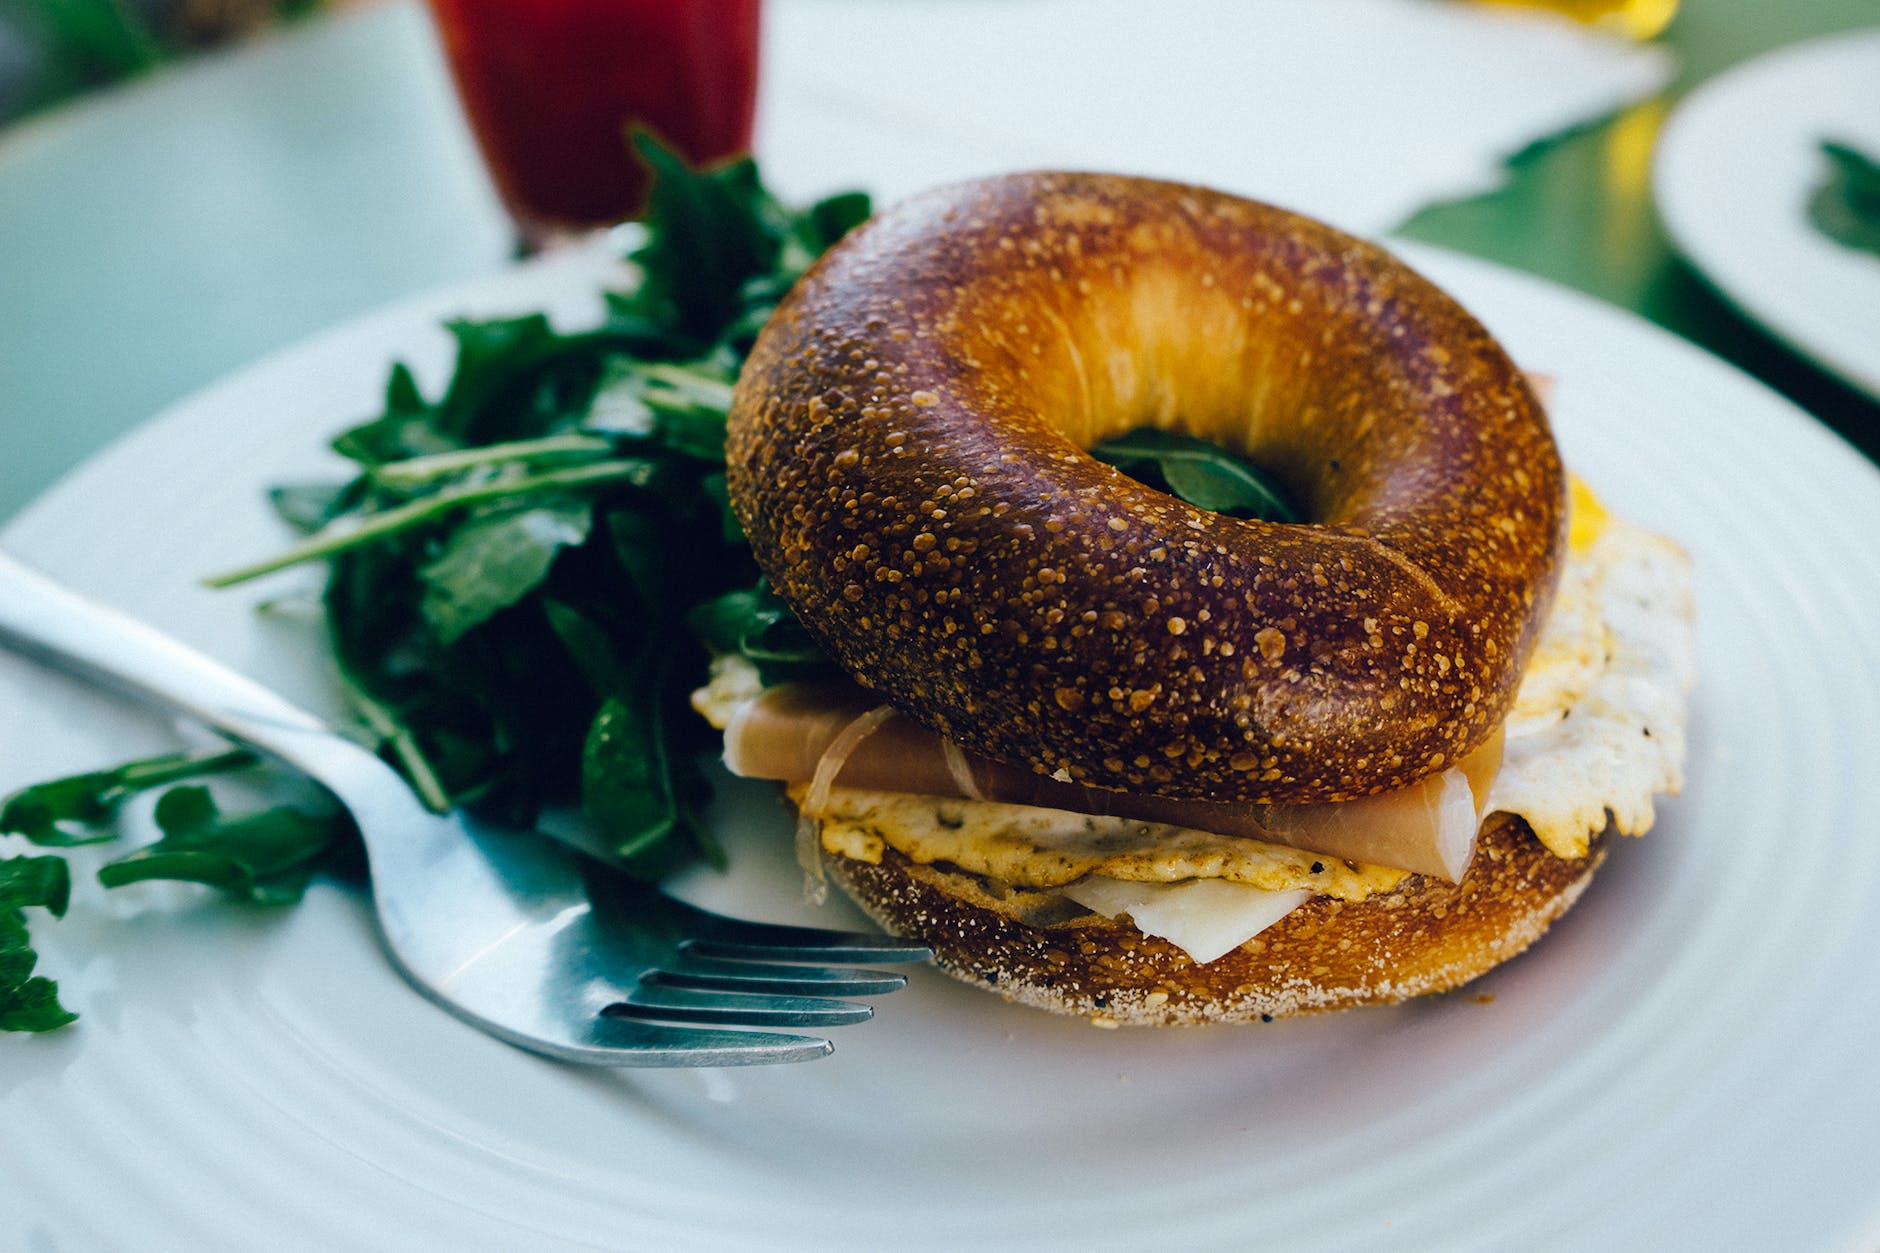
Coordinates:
639 786
267 857
43 881
309 506
757 624
405 429
718 230
626 782
680 406
825 223
494 560
1846 206
1203 474
74 810
29 1002
515 379
33 1004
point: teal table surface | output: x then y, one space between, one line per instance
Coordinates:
159 236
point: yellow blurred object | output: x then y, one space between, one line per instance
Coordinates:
1639 19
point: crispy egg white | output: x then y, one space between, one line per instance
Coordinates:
1598 726
1597 729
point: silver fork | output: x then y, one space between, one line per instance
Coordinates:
522 937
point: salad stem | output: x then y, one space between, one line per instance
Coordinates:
417 471
347 535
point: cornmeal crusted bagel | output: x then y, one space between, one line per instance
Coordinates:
1423 936
906 457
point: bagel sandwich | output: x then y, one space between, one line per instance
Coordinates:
1113 755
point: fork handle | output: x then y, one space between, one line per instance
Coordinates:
56 625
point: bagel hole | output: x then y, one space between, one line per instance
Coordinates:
1204 474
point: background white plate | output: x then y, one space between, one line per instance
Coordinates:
1684 1063
1734 170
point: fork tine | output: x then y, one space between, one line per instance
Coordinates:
716 936
860 950
619 1041
702 933
690 1005
737 976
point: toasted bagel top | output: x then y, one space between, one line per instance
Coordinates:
907 457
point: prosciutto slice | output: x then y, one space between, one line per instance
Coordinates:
837 735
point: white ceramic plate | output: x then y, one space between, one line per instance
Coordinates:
1734 170
1684 1063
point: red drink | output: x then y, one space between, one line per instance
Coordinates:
552 88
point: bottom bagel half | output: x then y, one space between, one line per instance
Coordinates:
1036 948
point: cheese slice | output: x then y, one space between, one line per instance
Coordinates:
1206 918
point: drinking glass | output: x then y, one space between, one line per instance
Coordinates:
553 89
